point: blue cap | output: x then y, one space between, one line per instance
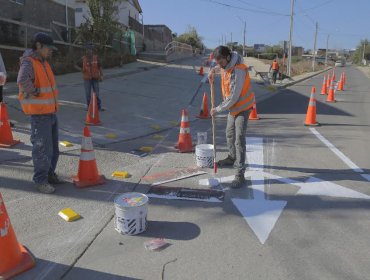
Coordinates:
44 39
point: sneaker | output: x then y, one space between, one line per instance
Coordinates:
238 181
53 179
229 161
45 188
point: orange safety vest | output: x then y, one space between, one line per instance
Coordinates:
47 100
90 69
246 98
275 65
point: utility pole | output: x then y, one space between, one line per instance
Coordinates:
290 38
245 27
314 49
363 52
67 20
326 53
231 37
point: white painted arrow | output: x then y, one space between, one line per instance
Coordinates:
260 214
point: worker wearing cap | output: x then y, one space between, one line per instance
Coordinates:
38 96
238 99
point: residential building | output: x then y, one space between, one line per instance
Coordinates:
163 30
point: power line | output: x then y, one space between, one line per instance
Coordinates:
317 6
245 9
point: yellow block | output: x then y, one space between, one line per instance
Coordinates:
146 149
155 126
111 136
158 137
69 215
65 144
120 174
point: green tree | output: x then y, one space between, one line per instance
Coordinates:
190 37
357 55
100 27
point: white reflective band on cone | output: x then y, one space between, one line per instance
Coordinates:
312 103
185 119
184 130
87 156
87 143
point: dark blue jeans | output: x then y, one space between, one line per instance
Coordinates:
45 150
92 85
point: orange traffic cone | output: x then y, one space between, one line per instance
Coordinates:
344 78
328 82
323 88
253 116
340 84
334 75
331 93
88 174
201 71
14 258
92 117
311 111
185 143
6 135
204 113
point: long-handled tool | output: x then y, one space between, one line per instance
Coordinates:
213 128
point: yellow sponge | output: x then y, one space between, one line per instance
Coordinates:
111 136
121 174
65 144
68 215
155 126
146 149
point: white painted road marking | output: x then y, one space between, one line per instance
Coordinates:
260 214
342 156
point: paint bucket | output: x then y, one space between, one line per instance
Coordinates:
204 155
131 213
201 138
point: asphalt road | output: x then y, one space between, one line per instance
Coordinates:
305 215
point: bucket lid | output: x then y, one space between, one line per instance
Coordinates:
132 199
204 147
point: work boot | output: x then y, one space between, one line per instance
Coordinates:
229 161
238 181
53 179
45 188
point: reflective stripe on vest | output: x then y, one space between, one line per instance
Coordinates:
90 70
246 98
47 100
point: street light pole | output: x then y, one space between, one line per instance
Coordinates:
363 52
326 53
245 27
290 38
314 49
67 20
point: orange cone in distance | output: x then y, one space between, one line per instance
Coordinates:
88 174
334 78
201 71
328 82
340 84
253 116
185 143
311 111
14 258
331 93
92 117
204 113
6 135
323 88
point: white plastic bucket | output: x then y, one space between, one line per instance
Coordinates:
131 213
201 138
204 155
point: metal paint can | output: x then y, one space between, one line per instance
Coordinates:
131 211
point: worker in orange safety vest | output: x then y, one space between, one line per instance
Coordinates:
275 70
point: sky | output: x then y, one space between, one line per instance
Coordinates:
267 21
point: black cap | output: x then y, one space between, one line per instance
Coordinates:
44 39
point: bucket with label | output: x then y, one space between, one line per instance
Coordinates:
204 155
131 211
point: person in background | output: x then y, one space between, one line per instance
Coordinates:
38 95
92 73
275 70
